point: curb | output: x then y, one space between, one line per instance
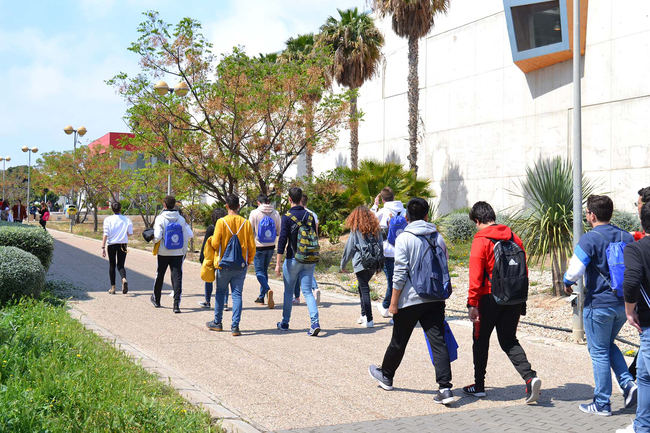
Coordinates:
229 419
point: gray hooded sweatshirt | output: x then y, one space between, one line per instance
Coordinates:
409 249
162 220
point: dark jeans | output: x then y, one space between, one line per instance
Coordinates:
261 263
505 319
43 223
363 278
116 256
389 266
431 316
175 263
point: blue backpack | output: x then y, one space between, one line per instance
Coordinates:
431 276
174 236
233 257
266 231
396 226
616 265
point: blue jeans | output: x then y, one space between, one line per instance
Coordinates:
642 421
261 263
389 266
234 278
208 292
296 291
601 328
294 273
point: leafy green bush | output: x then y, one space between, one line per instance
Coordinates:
333 230
626 220
32 239
21 274
457 227
326 197
504 219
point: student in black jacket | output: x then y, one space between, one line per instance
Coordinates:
637 308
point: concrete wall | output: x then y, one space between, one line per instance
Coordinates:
484 121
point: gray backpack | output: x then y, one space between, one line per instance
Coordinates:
370 251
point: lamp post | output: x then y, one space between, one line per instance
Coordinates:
29 151
161 88
79 132
4 160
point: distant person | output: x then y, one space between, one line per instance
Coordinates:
644 197
392 210
604 309
637 308
5 212
364 248
19 212
44 216
173 233
299 240
209 231
117 229
266 223
233 242
314 285
496 301
416 250
33 210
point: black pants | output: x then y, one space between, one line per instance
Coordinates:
505 318
363 278
431 316
116 256
175 263
42 223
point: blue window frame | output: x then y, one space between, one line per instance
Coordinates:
536 27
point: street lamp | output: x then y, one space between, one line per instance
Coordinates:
4 160
29 151
161 88
80 132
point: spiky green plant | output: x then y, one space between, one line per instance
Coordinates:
546 224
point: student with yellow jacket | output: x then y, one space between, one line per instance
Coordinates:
231 259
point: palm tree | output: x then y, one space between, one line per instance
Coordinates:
412 19
356 44
546 226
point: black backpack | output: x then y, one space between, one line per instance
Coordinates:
370 250
509 274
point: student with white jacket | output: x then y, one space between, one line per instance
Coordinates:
173 233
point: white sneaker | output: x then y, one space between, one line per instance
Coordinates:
361 320
171 294
383 311
628 429
370 324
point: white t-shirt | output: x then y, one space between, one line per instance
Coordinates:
117 228
313 214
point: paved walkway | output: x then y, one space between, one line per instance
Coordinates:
283 381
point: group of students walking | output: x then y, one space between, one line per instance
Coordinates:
401 242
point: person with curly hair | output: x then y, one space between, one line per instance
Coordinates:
364 248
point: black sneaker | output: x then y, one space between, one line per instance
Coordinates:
376 373
205 304
443 396
533 387
125 287
177 308
235 331
212 326
475 390
154 302
259 300
629 394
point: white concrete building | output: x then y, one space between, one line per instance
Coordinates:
483 120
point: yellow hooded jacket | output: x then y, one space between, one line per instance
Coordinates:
207 268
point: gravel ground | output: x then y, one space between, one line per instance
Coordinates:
542 308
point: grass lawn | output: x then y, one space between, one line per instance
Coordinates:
56 376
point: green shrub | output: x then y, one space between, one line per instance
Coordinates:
32 239
504 219
333 230
626 220
457 227
21 274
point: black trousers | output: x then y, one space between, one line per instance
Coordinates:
505 319
175 264
431 316
43 223
116 257
363 278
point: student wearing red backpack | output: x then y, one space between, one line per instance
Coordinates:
487 311
604 310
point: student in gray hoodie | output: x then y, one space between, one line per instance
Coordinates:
365 250
408 308
264 244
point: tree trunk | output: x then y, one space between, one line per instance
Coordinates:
309 151
558 268
95 218
354 134
413 98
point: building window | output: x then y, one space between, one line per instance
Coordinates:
537 25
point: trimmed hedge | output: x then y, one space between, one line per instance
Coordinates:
458 227
626 220
21 274
32 239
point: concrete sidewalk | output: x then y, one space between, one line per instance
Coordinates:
282 381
